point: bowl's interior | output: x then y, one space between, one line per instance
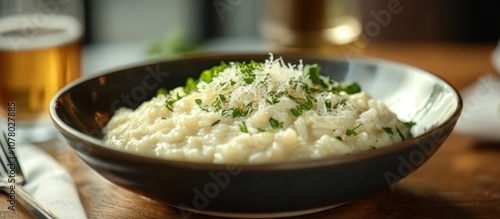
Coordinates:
413 94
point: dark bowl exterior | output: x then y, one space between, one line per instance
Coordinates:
80 111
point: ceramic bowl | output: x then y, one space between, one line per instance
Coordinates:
80 110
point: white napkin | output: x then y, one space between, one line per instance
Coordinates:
49 183
481 112
496 58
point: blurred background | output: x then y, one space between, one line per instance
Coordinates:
125 31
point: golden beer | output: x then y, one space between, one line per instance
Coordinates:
35 63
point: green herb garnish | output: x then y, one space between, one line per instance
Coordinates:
352 132
400 134
300 108
297 111
205 76
275 124
225 112
349 89
161 91
242 112
243 127
340 103
308 105
190 86
209 74
237 112
274 97
219 100
328 104
216 122
353 88
200 104
388 130
247 70
409 124
313 71
169 103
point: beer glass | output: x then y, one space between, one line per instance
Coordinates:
40 52
329 25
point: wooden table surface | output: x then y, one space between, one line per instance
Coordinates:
462 180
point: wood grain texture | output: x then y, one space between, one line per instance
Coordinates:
462 180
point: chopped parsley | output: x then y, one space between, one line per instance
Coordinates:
202 106
205 76
400 134
297 111
409 124
313 72
349 89
169 103
328 104
308 105
388 130
243 127
242 111
352 88
190 86
219 100
274 97
238 112
209 74
275 124
216 122
161 91
300 108
340 103
352 132
248 70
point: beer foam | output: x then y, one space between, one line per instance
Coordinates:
25 32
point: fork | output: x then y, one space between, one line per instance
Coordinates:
12 179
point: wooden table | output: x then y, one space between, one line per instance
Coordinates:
462 180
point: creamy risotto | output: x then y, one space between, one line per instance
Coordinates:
251 113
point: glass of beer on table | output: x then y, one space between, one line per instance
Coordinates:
40 52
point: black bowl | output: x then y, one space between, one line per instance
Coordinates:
80 111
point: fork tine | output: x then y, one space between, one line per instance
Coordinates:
34 207
13 159
3 158
9 157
